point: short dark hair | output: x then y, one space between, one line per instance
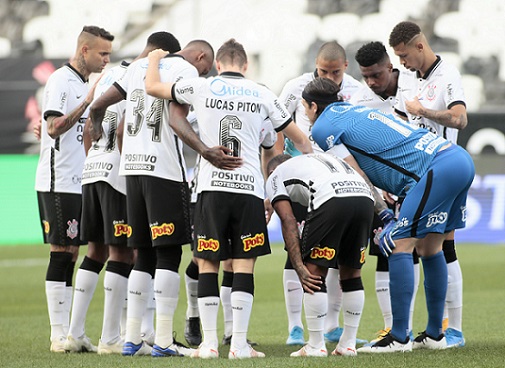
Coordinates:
371 53
331 50
403 32
322 91
98 32
165 41
233 52
276 161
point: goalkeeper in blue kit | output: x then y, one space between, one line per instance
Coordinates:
406 161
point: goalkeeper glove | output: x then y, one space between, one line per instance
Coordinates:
386 216
290 149
386 243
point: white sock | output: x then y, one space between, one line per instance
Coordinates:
454 299
383 297
191 296
147 326
225 295
316 307
334 292
115 290
84 289
139 291
417 276
124 312
55 295
293 296
209 308
241 303
352 304
166 284
67 307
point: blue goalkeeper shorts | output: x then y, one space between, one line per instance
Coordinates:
437 203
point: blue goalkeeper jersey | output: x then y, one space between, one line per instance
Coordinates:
392 153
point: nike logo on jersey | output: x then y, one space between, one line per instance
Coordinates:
78 97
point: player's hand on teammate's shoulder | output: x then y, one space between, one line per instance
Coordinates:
220 157
157 55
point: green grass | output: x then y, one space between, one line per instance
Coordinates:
24 324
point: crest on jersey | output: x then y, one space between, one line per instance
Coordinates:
73 229
430 94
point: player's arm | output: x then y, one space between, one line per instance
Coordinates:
86 136
97 111
119 134
154 86
310 282
380 204
300 140
57 125
218 156
455 117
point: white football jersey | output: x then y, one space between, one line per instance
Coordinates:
61 160
231 112
366 97
291 98
439 89
150 146
102 162
313 179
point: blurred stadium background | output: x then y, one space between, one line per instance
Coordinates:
281 38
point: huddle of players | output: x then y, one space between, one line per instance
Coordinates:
214 241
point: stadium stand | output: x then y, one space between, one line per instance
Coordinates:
279 35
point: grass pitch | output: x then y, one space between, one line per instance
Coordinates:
24 323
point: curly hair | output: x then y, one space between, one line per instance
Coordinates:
371 53
403 32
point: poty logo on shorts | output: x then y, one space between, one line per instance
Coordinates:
362 255
162 230
46 226
255 241
122 229
73 229
436 218
327 253
210 244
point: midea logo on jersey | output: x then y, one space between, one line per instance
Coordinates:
436 218
219 87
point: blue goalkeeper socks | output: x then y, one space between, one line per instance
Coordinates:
435 288
401 288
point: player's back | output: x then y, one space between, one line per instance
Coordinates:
313 179
150 146
231 111
393 153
